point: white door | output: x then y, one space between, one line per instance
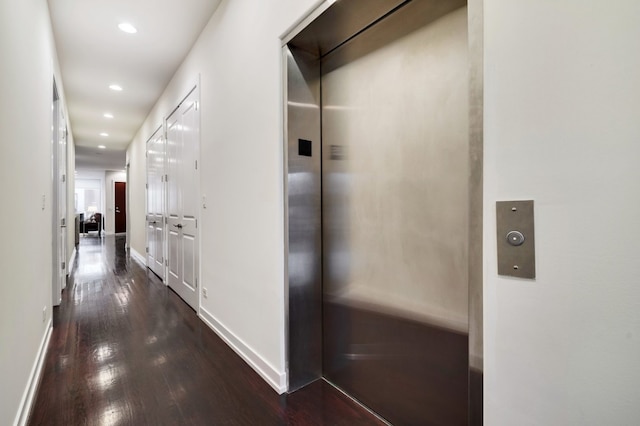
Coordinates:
59 199
155 203
183 142
62 199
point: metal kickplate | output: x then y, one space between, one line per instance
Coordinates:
516 239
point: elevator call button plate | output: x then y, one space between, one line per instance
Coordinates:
515 237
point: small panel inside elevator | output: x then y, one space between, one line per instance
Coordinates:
378 205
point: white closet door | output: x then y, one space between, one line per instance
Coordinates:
155 203
183 141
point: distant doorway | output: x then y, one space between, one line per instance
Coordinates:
120 199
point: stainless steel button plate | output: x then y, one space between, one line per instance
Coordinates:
516 240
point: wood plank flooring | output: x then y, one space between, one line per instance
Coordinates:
126 350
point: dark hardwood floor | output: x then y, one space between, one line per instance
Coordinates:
126 350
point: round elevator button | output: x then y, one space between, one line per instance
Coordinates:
515 238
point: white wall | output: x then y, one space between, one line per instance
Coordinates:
562 127
110 178
26 84
239 62
137 179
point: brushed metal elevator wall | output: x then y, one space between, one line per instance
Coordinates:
395 219
378 207
395 175
304 271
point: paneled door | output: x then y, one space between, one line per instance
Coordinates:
58 198
62 198
156 203
183 143
120 206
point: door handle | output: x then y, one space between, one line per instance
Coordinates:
179 226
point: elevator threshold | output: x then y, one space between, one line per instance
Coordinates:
351 398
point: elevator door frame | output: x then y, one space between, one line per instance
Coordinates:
303 301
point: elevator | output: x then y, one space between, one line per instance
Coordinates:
381 212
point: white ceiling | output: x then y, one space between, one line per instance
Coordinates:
94 53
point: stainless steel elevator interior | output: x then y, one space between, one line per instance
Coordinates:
378 208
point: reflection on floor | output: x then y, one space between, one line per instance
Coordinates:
126 350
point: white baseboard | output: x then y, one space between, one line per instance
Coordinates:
71 261
137 256
275 379
26 403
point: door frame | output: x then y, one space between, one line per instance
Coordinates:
127 233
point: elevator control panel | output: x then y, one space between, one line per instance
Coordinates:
516 242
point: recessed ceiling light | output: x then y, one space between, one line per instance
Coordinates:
102 147
104 134
108 115
116 88
127 28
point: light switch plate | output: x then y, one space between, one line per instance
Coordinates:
516 258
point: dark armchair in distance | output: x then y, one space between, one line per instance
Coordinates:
94 223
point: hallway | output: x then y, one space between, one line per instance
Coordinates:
126 350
